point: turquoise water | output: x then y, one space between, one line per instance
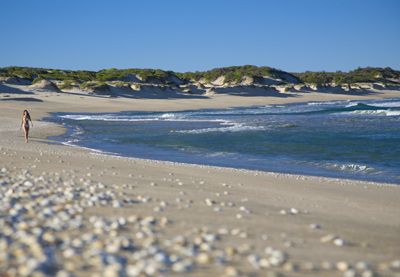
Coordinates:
345 139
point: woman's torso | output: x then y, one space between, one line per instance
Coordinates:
26 121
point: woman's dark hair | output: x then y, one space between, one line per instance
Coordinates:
28 116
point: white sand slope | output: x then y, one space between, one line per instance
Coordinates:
44 85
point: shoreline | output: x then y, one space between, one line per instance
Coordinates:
94 151
247 171
62 130
317 225
52 119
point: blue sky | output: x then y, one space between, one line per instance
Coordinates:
189 35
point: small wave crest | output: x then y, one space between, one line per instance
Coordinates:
326 103
105 117
168 115
352 105
368 110
137 118
374 105
390 104
350 167
232 127
376 112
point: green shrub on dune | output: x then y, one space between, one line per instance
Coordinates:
110 74
113 74
232 74
359 75
50 74
36 80
67 84
21 72
93 85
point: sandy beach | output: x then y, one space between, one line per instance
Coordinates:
124 215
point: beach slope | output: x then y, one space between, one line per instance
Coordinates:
66 209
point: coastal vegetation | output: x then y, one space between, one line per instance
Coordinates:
143 74
93 85
359 75
37 79
231 74
67 84
50 74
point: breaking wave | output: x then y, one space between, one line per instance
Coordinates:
235 127
350 167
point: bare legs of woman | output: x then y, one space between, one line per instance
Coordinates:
26 131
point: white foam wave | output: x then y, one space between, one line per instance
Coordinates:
250 111
394 104
353 104
350 167
139 118
326 103
96 117
375 112
111 117
392 113
179 116
168 115
233 127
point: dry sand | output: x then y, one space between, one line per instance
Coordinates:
304 219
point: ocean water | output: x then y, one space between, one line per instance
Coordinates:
345 139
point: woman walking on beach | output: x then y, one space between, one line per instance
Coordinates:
26 117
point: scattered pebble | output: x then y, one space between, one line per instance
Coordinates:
342 266
315 226
46 230
339 242
283 212
395 265
209 202
328 238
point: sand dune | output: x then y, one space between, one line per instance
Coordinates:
44 85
